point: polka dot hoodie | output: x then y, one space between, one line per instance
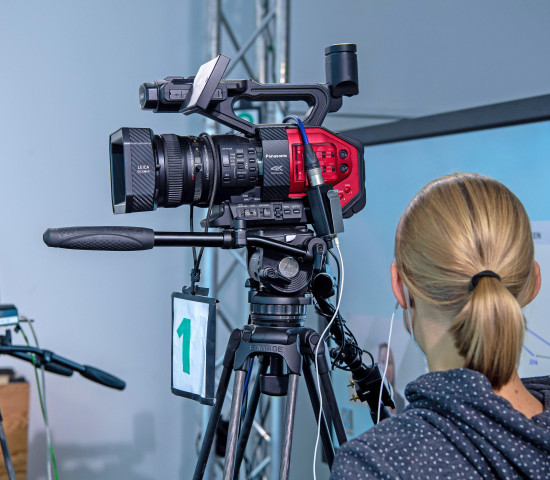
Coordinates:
454 427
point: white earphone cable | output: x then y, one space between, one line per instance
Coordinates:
321 339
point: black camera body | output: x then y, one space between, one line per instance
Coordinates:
259 175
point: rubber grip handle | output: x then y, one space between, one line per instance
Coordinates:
99 376
59 369
100 238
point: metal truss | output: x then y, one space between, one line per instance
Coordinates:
269 41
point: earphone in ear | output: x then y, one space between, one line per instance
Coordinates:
408 313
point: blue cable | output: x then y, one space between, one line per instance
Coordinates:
248 374
300 126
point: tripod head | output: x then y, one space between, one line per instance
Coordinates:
282 262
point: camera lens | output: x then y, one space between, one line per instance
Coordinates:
132 170
150 171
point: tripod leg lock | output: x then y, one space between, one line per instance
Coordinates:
232 346
309 339
274 385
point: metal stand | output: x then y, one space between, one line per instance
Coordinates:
284 353
6 451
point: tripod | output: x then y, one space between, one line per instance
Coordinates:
285 350
286 266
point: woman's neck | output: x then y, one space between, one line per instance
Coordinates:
521 399
431 328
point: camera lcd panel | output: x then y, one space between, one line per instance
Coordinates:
193 347
205 83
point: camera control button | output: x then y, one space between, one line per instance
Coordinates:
252 178
240 176
240 165
251 169
239 151
343 154
344 167
226 178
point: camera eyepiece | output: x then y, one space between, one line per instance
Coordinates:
148 96
164 95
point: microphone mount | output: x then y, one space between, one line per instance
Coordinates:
57 364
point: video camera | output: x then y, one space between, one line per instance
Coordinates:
258 175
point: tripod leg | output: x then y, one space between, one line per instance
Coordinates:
233 432
332 405
249 417
234 341
212 424
289 425
314 397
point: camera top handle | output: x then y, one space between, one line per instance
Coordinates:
209 95
213 97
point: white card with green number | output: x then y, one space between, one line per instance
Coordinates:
193 346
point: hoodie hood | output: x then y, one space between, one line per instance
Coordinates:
484 426
454 427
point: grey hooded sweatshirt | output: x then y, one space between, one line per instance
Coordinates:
455 426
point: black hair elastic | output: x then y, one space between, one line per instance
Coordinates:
478 276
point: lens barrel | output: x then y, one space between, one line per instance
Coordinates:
150 171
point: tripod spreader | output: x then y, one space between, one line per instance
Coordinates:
136 238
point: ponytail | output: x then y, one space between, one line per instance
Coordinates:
489 330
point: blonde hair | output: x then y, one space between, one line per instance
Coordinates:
454 228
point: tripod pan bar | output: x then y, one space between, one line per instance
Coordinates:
137 238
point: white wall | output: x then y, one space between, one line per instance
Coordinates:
71 72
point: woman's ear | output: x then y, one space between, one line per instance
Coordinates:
397 286
538 281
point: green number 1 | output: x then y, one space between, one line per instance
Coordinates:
184 331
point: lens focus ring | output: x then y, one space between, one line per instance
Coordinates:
174 170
